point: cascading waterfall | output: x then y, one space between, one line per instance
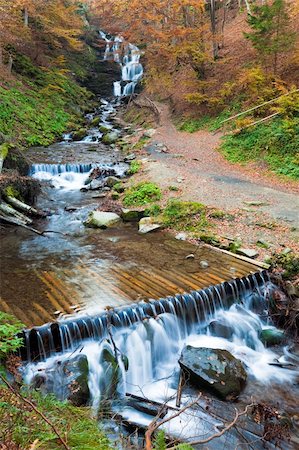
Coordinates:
131 68
70 176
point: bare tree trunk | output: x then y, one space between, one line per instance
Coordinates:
26 17
213 27
9 65
1 55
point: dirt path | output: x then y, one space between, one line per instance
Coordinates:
193 163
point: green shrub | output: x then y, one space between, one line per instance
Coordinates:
9 327
287 263
141 194
153 210
135 166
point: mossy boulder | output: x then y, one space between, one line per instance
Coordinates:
111 181
95 121
132 215
79 134
110 138
272 336
102 219
215 370
77 371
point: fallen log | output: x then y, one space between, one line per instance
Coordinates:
17 222
151 402
8 210
23 207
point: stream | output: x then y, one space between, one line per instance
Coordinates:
78 272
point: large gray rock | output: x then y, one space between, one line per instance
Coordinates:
147 224
249 252
215 370
101 219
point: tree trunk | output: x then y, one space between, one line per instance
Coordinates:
26 17
17 204
213 27
9 65
10 211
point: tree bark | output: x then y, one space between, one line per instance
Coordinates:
8 210
26 17
9 65
23 207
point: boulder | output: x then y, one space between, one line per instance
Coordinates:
130 157
220 328
76 371
95 121
101 219
104 129
147 224
110 138
111 181
131 215
100 172
272 336
215 370
79 134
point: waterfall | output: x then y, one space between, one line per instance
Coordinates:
71 176
148 339
128 58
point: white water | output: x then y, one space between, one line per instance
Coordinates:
128 57
69 176
153 347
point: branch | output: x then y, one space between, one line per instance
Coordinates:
155 424
217 435
28 402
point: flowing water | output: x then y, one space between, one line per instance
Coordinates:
127 56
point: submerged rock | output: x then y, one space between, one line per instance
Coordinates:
147 224
79 134
214 369
101 219
272 336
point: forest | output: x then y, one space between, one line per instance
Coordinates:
149 167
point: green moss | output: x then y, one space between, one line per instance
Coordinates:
37 112
4 148
173 188
11 191
153 211
287 263
141 194
183 215
135 166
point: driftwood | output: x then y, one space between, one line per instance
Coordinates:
23 207
13 221
180 389
8 210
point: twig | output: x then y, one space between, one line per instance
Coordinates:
155 424
28 402
217 435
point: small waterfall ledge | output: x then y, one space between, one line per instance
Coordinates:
194 308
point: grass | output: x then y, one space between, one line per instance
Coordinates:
22 426
141 194
41 106
210 123
185 216
275 143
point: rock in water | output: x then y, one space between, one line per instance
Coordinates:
101 219
215 370
111 181
272 336
76 371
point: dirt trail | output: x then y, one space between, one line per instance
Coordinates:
194 165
